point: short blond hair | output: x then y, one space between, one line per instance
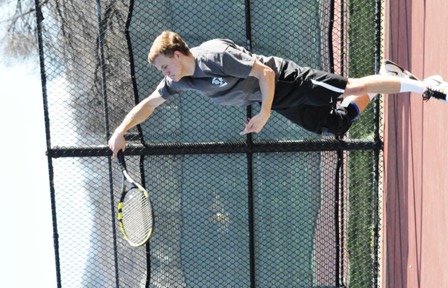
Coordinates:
167 43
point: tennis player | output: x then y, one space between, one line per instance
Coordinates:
228 74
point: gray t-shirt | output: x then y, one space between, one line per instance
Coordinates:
222 74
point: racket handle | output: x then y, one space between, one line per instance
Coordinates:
120 158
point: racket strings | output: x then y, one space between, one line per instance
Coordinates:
137 216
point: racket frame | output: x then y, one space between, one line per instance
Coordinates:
124 191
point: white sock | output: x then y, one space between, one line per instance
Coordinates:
409 85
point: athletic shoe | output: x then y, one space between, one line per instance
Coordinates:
393 69
437 87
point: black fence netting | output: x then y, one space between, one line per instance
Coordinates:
282 208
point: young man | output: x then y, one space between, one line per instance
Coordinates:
228 74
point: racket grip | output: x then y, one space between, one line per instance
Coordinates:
120 158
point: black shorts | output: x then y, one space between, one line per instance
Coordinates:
298 85
319 119
309 98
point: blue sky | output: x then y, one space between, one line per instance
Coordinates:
27 241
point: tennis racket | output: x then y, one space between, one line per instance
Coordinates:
135 215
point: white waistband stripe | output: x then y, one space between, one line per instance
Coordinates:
327 86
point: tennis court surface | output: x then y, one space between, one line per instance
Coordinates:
416 170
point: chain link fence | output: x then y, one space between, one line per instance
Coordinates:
283 208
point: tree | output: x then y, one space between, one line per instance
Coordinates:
18 24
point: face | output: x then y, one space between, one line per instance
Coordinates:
170 67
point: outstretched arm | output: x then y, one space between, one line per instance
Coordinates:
137 115
266 79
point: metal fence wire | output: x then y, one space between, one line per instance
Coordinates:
283 208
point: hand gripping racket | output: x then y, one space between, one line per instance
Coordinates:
135 215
